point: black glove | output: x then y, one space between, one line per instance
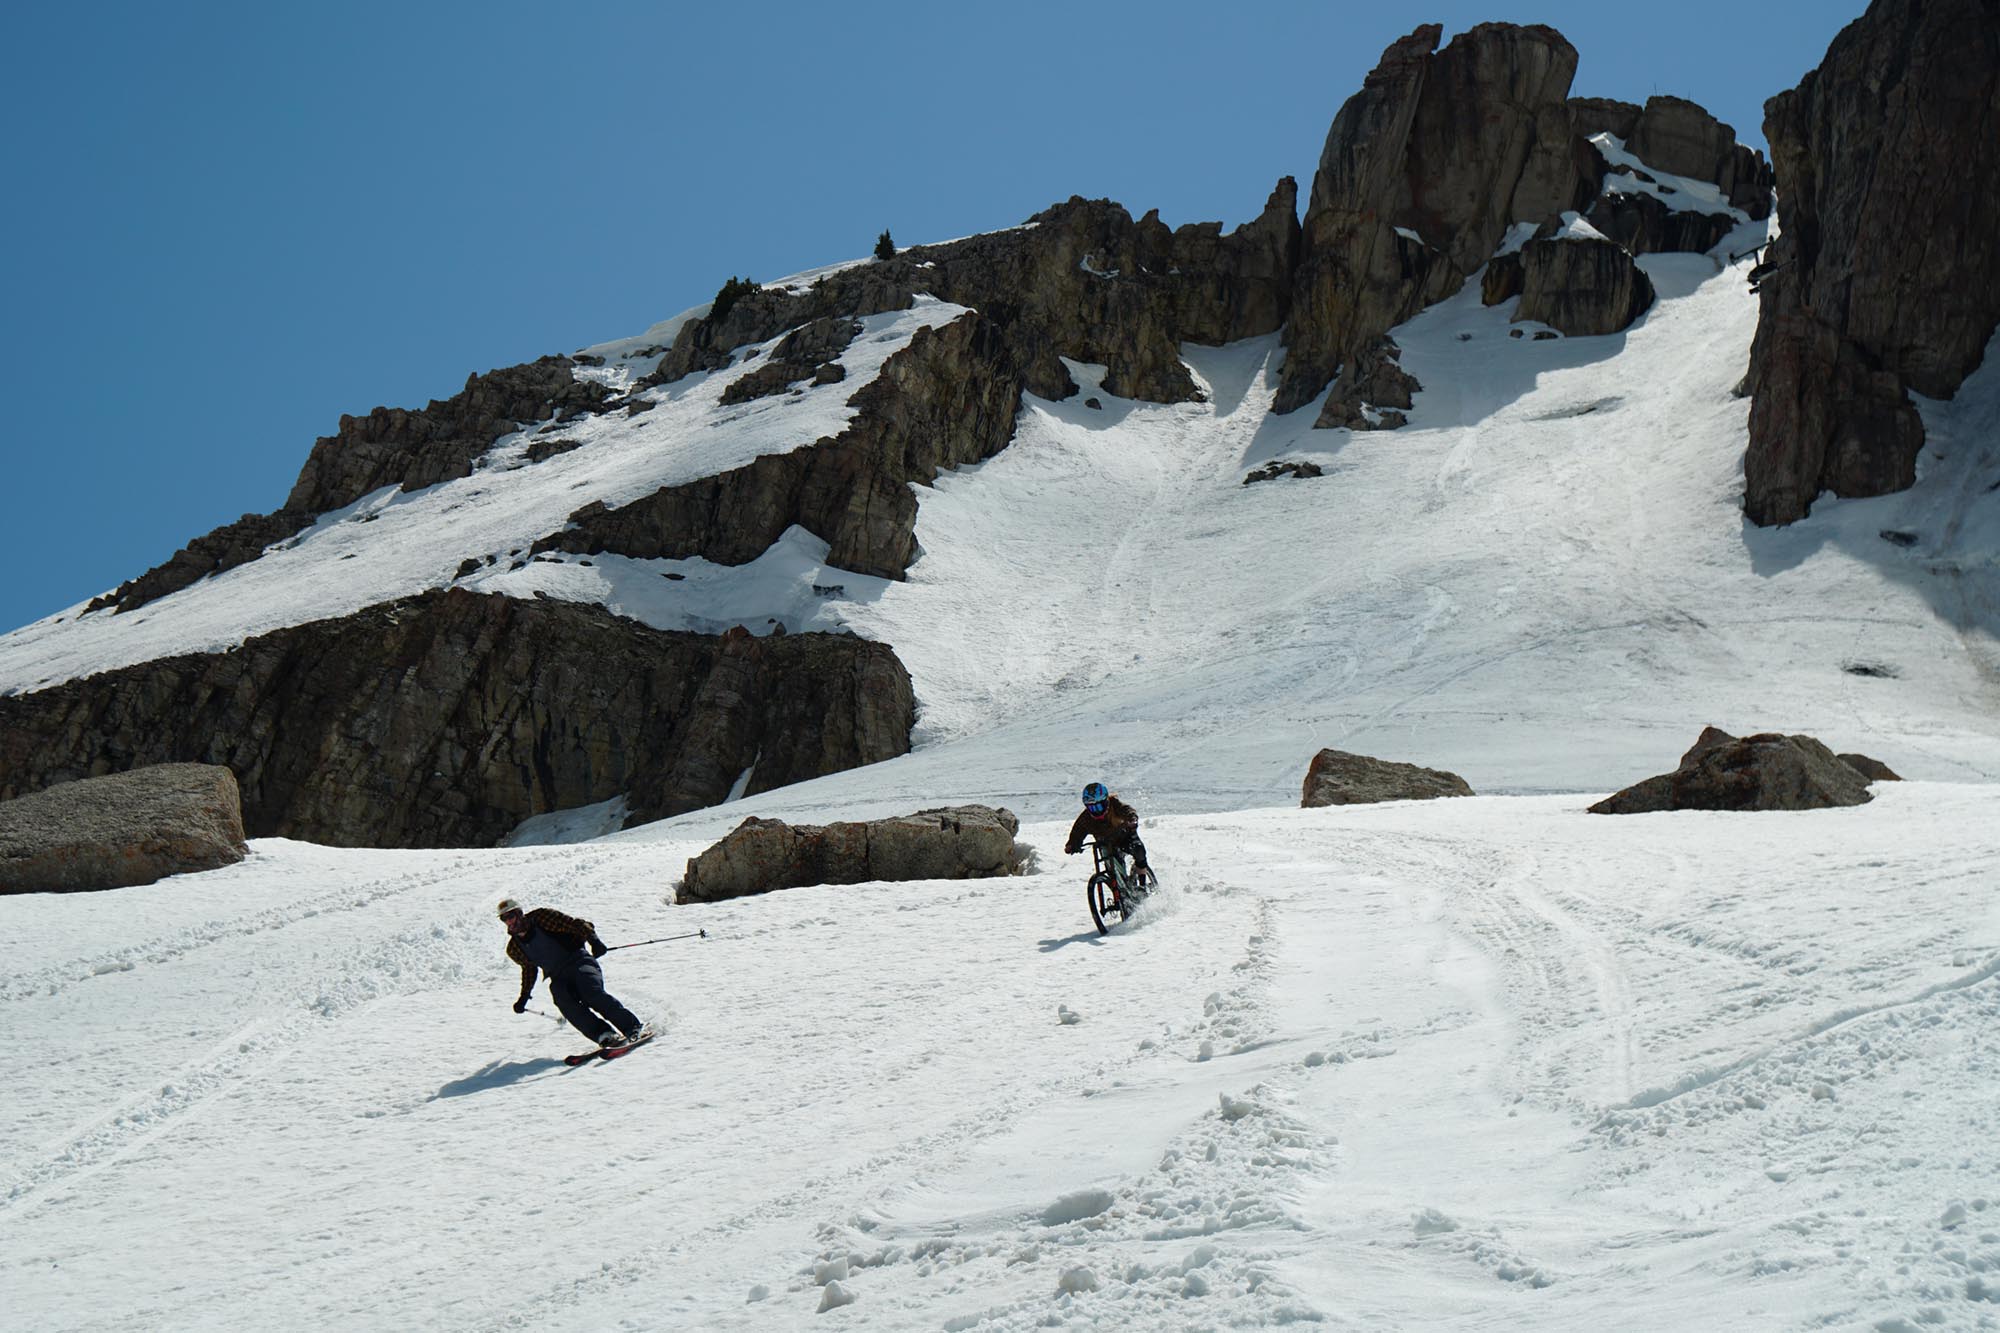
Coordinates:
1071 851
597 949
521 1005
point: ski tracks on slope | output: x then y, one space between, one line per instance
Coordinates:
1230 1170
290 1007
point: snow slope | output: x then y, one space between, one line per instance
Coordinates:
1486 1063
1466 1064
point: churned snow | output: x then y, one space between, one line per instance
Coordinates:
1475 1063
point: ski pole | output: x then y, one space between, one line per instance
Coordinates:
665 939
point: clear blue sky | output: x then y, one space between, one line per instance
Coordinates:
226 224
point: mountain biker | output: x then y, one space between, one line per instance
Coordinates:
1114 824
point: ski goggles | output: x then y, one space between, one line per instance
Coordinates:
1095 807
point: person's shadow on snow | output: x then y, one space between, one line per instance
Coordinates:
1081 937
497 1075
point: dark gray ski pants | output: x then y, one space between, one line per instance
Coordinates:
581 996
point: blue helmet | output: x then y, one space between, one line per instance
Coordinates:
1095 798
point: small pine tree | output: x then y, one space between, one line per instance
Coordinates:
821 303
730 292
884 247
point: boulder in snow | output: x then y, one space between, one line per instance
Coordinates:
1339 778
1357 779
1872 770
960 842
127 829
1582 285
1762 772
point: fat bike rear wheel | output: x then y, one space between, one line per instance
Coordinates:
1107 909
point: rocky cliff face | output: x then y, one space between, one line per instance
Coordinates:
947 399
446 719
1423 172
1081 280
1885 277
1674 135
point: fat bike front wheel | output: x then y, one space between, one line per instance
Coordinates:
1107 909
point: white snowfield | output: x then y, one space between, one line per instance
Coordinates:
1467 1064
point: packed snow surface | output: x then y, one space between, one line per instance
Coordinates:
1475 1063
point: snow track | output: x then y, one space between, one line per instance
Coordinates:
1455 1063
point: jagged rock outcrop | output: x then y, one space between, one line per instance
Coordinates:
1275 469
1677 136
1581 286
759 855
1601 115
1885 276
121 831
761 314
806 353
1672 134
394 446
1336 777
446 719
1081 280
226 547
1423 171
1763 772
1372 390
946 400
1644 225
389 446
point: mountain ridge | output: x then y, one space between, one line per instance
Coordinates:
989 323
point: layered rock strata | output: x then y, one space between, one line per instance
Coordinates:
1885 276
447 719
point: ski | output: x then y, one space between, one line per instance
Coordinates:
613 1052
607 1052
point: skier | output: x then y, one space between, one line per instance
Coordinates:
1114 824
547 940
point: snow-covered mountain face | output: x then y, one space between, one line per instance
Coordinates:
1542 582
1468 1063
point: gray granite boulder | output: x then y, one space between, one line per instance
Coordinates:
1762 772
119 831
959 842
1336 777
1874 770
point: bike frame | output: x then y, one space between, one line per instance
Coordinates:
1111 862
